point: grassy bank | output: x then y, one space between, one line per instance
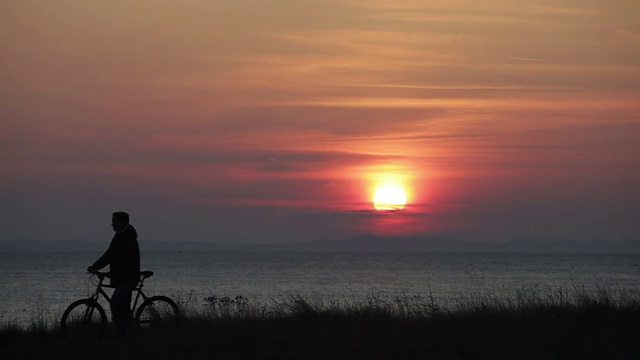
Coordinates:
532 324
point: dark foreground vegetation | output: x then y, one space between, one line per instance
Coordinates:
530 325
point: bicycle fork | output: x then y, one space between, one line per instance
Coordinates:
86 319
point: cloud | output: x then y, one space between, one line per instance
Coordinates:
239 109
526 59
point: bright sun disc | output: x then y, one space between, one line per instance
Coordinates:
389 197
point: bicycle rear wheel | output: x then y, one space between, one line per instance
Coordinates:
158 310
83 319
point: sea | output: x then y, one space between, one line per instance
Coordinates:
37 285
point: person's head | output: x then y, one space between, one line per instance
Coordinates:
119 220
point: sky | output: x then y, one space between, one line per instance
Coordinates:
276 120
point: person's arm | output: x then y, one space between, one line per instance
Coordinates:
104 260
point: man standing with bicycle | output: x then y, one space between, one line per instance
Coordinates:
123 256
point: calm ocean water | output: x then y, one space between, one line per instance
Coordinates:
32 283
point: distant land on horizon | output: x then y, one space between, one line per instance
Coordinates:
362 243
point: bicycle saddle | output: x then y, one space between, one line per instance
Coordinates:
146 273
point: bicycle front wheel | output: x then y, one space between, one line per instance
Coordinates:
82 319
158 310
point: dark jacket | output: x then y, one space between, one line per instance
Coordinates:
123 256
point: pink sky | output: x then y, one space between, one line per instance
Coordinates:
269 121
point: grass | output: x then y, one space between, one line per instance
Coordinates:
534 323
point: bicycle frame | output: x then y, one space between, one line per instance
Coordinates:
148 309
100 289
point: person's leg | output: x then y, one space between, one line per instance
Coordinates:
121 307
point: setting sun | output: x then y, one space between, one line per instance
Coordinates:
389 198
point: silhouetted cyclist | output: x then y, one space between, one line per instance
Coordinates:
123 256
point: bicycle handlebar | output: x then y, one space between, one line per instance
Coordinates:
101 274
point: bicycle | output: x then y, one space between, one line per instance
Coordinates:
87 316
